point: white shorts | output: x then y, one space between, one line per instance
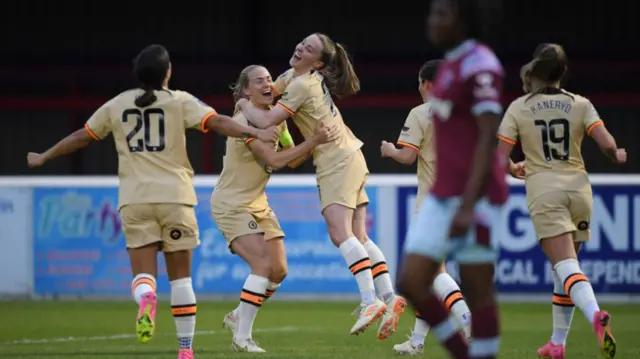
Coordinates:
429 232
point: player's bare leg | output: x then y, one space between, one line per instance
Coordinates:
183 299
279 268
339 221
448 291
477 280
253 250
415 283
561 253
381 277
562 313
144 265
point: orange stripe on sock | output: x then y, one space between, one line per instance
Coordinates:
360 265
143 281
562 300
183 310
252 298
452 299
269 293
379 268
572 280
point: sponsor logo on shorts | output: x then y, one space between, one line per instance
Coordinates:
175 234
583 226
253 225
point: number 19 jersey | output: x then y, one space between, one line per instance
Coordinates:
551 126
153 166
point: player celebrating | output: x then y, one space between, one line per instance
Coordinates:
551 123
465 200
320 68
416 139
241 210
156 196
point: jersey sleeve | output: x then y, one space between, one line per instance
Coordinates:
412 132
294 96
99 124
196 113
242 119
508 130
591 118
280 84
483 75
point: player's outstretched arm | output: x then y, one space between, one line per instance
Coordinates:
279 159
607 144
406 155
70 144
226 126
260 118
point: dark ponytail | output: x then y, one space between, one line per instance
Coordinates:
549 66
150 68
338 71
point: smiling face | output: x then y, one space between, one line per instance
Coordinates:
307 54
258 87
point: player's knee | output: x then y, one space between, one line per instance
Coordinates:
261 266
278 274
405 287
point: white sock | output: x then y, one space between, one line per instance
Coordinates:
359 264
562 309
251 299
271 289
420 330
142 284
577 286
183 307
448 291
380 271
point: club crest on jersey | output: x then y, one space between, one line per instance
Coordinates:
175 234
485 88
253 225
442 108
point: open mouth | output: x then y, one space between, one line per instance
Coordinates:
296 56
267 94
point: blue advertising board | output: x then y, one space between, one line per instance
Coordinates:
79 247
611 259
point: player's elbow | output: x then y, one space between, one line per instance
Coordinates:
81 137
276 162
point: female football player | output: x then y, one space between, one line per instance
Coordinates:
550 123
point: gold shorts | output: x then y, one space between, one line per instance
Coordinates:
557 212
344 183
241 223
172 224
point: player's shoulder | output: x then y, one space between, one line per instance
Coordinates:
422 111
479 59
577 99
287 75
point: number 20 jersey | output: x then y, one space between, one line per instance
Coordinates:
153 166
550 126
